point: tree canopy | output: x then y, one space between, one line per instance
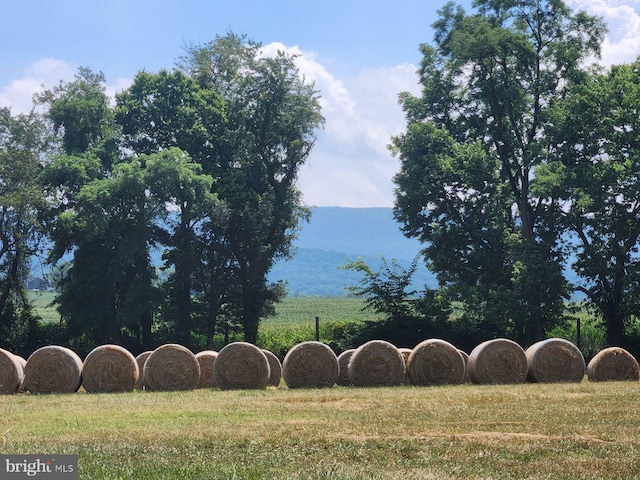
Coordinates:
200 164
475 139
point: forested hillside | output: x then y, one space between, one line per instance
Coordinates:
333 237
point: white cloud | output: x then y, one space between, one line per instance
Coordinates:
44 73
350 164
622 43
19 93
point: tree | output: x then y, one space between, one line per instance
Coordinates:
177 182
108 293
81 116
474 141
167 112
100 212
21 146
272 115
408 317
595 131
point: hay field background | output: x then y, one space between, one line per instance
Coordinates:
533 431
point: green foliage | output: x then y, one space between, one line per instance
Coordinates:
595 133
111 234
21 141
200 164
469 158
272 115
407 318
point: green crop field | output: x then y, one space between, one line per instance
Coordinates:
533 431
293 311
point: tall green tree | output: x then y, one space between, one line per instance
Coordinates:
272 116
109 294
21 147
163 112
176 181
596 130
474 140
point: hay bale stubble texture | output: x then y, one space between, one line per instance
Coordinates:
465 355
405 355
241 366
206 359
171 367
435 362
498 361
343 367
141 360
613 364
11 373
275 368
109 368
23 363
53 369
310 365
554 360
376 363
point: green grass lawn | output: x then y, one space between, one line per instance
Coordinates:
565 431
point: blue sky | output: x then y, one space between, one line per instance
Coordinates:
360 54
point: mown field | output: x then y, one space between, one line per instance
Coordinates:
565 431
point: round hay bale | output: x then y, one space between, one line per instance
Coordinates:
554 360
465 355
275 368
206 359
405 355
498 361
141 360
241 365
53 369
343 367
11 373
310 365
171 367
109 368
376 364
435 362
613 364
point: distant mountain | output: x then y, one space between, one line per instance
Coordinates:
333 237
336 235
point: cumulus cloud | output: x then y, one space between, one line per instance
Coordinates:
19 92
350 164
42 74
622 43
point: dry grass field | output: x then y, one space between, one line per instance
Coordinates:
529 431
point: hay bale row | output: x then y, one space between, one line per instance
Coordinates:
240 365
